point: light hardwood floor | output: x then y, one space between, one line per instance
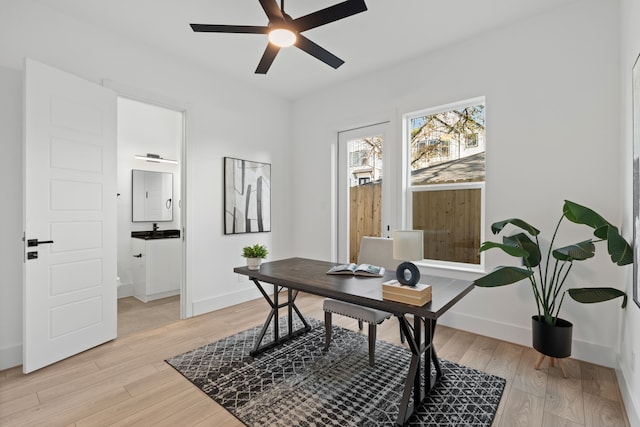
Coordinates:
127 382
136 316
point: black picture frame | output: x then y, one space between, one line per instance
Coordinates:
247 196
635 85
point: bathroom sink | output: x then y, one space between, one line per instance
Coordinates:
156 234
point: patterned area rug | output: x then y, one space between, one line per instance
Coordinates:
297 384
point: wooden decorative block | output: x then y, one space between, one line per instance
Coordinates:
418 295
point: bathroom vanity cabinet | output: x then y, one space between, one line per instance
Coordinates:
157 265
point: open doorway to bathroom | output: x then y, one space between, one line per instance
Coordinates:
150 241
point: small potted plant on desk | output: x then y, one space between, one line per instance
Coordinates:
254 255
551 334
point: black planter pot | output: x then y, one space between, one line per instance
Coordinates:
552 341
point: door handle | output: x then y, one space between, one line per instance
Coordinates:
138 256
36 242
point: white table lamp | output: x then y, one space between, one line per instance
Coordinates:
408 245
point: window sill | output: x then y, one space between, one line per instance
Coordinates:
450 266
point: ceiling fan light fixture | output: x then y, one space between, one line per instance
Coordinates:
284 31
282 37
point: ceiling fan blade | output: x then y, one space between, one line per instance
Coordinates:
330 14
319 52
272 10
267 58
250 29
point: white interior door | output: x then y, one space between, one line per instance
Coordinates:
362 161
70 295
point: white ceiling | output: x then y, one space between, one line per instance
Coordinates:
389 32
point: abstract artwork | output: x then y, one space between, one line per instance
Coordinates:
247 196
636 178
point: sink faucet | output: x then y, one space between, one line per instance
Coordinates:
155 226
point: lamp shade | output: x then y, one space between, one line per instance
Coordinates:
408 245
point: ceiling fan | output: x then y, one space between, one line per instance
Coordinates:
284 31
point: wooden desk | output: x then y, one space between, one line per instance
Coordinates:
306 275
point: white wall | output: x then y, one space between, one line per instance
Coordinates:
144 128
552 95
629 372
223 118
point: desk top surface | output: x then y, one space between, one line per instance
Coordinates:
307 275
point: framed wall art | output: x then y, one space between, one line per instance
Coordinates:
247 196
636 177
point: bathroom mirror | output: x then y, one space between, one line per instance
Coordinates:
152 196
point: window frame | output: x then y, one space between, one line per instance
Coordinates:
408 189
475 141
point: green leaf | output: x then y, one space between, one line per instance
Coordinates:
601 232
523 241
620 251
503 276
255 251
497 227
593 295
583 215
511 250
576 252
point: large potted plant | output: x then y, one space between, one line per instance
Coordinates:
551 334
254 255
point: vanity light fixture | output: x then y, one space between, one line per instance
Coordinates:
150 157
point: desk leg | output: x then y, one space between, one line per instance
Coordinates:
293 306
420 340
273 316
436 361
273 313
430 357
418 388
290 310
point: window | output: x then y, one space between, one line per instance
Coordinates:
359 158
365 160
445 169
362 203
471 140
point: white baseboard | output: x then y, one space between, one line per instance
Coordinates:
159 295
125 290
10 356
206 305
632 412
581 350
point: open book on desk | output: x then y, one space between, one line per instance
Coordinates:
357 270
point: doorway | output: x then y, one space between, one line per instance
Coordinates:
150 218
77 209
363 192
